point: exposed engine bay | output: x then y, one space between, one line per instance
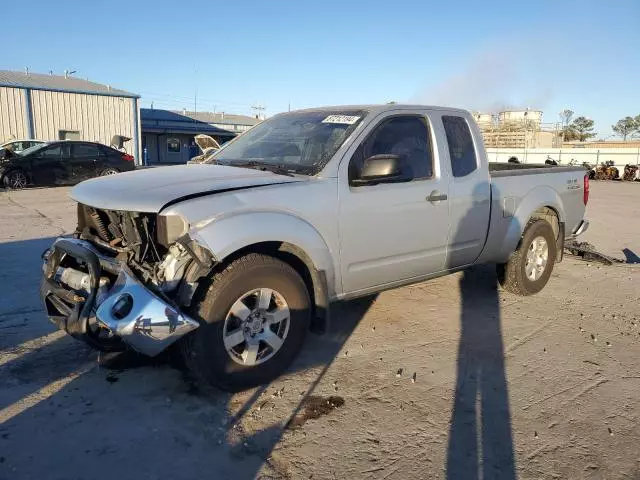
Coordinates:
125 278
142 241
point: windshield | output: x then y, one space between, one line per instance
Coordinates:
299 142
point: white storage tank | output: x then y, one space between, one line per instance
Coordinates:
483 119
531 117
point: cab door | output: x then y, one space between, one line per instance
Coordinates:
393 232
470 188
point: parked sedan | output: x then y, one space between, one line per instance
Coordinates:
62 163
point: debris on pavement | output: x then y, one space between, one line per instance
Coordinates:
315 406
588 252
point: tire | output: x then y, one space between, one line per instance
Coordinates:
513 275
109 171
15 180
204 351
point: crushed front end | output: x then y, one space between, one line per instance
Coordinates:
124 279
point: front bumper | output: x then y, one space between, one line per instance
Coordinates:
148 324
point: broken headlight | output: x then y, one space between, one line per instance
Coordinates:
169 228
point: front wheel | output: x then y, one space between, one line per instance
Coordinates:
530 266
254 319
15 180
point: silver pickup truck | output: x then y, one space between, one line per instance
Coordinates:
238 258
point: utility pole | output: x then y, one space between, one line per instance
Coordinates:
259 108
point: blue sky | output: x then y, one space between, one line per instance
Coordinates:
485 55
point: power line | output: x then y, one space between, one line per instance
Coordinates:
259 108
169 104
218 102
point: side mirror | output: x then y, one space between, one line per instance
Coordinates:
380 169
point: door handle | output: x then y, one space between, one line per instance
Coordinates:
436 196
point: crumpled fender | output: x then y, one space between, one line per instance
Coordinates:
228 234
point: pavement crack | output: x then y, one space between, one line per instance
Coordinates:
549 397
48 220
528 337
587 389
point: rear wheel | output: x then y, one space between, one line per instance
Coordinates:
255 316
109 171
530 266
15 180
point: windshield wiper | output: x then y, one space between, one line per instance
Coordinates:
280 169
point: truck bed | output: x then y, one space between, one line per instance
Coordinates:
513 169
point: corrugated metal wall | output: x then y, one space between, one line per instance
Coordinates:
13 121
96 117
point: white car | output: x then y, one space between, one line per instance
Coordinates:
17 146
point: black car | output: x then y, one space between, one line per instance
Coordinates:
62 163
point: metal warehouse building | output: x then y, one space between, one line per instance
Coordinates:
53 107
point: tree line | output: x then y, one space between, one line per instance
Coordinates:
582 128
627 126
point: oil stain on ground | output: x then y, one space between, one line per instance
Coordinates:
313 407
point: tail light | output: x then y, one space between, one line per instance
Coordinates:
586 189
127 157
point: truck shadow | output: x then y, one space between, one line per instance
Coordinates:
480 441
480 437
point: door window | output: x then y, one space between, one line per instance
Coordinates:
85 150
407 136
51 152
460 142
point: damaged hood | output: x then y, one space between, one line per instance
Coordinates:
150 190
206 142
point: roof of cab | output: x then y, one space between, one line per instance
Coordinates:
379 108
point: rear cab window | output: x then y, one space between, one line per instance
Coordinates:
462 152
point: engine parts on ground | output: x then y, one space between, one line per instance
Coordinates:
606 171
588 252
630 173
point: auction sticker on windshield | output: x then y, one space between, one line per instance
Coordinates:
343 119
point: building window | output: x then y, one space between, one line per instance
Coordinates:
173 145
69 135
